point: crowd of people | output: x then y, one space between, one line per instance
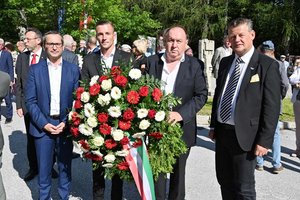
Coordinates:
250 85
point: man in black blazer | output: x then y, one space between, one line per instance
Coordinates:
93 65
33 40
184 78
243 123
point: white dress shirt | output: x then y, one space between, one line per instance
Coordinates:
295 79
243 66
168 77
38 56
108 61
55 82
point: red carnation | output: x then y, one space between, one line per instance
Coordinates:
84 144
120 81
124 141
123 165
94 157
151 114
137 143
74 131
110 143
128 115
79 91
115 71
77 104
95 89
102 117
143 91
124 125
76 121
133 97
157 94
105 129
102 78
156 135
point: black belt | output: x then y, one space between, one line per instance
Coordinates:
226 126
56 117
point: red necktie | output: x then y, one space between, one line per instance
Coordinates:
33 60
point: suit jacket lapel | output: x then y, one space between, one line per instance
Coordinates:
159 68
63 85
97 62
180 75
45 77
250 71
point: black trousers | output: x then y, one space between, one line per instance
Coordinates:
31 152
177 181
235 167
99 184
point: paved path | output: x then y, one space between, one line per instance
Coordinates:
201 183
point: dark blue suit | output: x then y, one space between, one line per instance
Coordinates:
6 65
38 104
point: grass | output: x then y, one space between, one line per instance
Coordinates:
287 110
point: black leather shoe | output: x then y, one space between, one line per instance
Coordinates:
8 120
30 175
54 174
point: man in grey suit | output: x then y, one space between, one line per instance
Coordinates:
68 54
220 53
4 88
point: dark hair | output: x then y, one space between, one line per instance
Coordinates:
53 33
9 46
103 22
166 31
239 21
37 32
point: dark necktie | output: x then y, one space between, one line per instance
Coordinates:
33 60
226 104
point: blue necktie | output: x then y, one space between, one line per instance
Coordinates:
226 104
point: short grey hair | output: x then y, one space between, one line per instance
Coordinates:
239 21
1 41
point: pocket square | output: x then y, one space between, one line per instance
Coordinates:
254 78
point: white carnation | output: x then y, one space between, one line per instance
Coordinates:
108 165
85 130
92 122
85 97
144 124
139 135
110 158
160 116
122 153
89 110
104 99
117 134
142 113
135 74
115 93
94 80
114 111
98 141
70 115
106 85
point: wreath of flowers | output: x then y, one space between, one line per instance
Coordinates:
124 108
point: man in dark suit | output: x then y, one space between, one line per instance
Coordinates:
184 78
35 53
93 65
49 96
245 111
68 54
6 65
4 89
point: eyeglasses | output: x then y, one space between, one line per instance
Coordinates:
30 38
54 44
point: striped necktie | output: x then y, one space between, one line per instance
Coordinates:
226 104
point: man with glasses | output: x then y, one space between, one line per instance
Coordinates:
48 102
6 65
35 53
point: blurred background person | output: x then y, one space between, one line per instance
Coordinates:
220 53
295 81
21 46
74 46
189 51
92 45
68 54
82 50
139 49
126 48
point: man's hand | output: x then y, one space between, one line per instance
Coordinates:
174 117
260 150
212 135
55 130
20 112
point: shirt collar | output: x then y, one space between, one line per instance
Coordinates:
111 54
164 59
246 58
38 53
49 63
